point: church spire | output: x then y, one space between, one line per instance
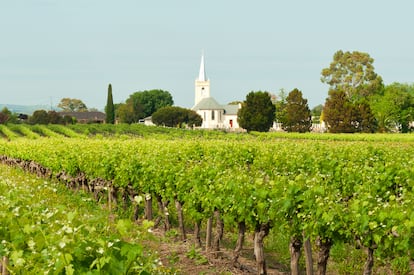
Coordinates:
202 74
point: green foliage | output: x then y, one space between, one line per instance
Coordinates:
195 254
345 188
45 228
110 108
173 116
39 117
24 130
297 116
344 116
46 117
9 134
394 110
280 105
316 113
5 115
353 73
257 112
129 112
352 82
143 104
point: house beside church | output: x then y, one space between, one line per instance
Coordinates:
214 115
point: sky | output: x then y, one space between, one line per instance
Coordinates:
52 49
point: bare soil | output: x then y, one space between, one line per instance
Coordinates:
184 258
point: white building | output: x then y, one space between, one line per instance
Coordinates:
214 115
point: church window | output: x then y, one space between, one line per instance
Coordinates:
212 115
205 116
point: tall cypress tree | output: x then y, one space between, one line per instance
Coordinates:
109 108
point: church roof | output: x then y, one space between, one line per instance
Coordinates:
207 103
231 109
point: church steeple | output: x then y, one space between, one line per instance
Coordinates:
202 84
202 74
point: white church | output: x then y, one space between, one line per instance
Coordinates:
214 115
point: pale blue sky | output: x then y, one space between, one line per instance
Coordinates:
75 48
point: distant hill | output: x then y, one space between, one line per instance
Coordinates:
24 109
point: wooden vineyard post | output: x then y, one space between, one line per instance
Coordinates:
3 265
209 233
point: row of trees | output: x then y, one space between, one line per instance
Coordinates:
38 117
259 112
358 101
155 103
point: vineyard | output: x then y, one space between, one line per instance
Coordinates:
320 192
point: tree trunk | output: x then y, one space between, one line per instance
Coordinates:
209 233
162 206
136 212
308 256
294 247
114 195
219 234
323 254
178 205
239 244
260 232
197 237
148 207
369 264
110 198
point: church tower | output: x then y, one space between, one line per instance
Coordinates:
202 84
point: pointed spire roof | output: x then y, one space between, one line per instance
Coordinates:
202 74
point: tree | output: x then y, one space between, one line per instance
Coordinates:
5 115
298 116
394 110
366 121
72 105
194 119
143 104
39 117
172 116
53 117
353 82
257 112
353 73
151 100
339 113
126 113
280 105
110 108
316 113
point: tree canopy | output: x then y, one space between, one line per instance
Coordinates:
72 105
297 115
143 104
339 113
394 109
5 115
280 104
353 83
172 116
110 108
257 112
353 73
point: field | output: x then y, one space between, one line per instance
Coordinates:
348 199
